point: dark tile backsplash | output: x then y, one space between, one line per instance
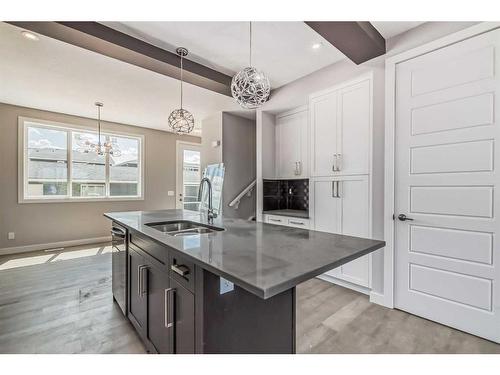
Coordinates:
286 194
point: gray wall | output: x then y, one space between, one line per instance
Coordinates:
40 223
211 131
238 154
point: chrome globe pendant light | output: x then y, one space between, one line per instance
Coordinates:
250 87
181 121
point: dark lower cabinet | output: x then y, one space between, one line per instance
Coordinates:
137 308
183 318
159 331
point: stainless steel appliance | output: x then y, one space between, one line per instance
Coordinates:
119 265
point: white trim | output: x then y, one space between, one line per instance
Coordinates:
69 128
52 245
179 143
345 284
302 108
390 126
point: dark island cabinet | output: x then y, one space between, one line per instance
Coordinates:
177 307
137 307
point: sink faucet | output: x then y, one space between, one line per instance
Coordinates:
210 212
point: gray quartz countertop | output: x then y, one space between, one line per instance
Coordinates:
263 259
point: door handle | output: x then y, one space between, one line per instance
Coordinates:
180 270
335 189
403 217
168 306
140 288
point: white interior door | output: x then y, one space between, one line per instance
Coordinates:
188 175
447 266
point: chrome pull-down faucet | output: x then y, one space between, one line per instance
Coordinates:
210 212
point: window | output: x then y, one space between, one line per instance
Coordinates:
55 167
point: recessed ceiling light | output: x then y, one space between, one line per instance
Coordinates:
316 45
29 35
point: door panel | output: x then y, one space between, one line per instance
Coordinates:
183 301
323 133
353 131
137 302
288 144
326 207
158 333
446 258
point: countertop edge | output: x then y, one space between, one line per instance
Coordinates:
262 293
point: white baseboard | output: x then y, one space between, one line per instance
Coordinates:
53 245
345 284
379 299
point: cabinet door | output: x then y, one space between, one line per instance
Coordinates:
158 288
287 145
183 318
137 303
323 115
354 129
354 192
327 207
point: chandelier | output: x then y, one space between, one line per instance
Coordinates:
250 87
87 145
181 121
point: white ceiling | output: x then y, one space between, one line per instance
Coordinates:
55 76
283 50
390 29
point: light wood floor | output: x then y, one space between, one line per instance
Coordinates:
61 302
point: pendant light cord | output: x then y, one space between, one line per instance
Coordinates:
99 124
182 53
250 43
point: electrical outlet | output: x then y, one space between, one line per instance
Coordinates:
170 193
225 286
11 236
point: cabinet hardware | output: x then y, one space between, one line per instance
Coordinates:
180 270
275 220
337 162
335 189
167 322
339 188
117 232
296 222
139 279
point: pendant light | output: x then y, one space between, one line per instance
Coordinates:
100 148
250 87
181 121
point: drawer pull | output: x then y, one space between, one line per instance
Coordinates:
180 270
296 222
167 321
276 220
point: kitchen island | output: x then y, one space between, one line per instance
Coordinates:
228 288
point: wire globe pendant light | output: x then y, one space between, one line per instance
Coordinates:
250 87
181 121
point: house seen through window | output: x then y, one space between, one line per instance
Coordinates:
57 166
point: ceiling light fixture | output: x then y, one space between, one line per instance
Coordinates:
316 45
86 146
29 35
250 87
181 121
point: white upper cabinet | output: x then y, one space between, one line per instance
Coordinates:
341 130
292 144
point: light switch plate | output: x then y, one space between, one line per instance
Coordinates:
170 193
226 286
11 236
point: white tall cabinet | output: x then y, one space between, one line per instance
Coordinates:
292 144
340 184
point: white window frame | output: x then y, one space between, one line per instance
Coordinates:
24 122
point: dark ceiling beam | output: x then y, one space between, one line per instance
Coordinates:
359 41
98 38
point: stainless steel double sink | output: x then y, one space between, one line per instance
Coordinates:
184 228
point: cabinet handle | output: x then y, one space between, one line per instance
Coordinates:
141 276
139 279
339 188
335 189
275 220
337 162
167 322
180 270
296 222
